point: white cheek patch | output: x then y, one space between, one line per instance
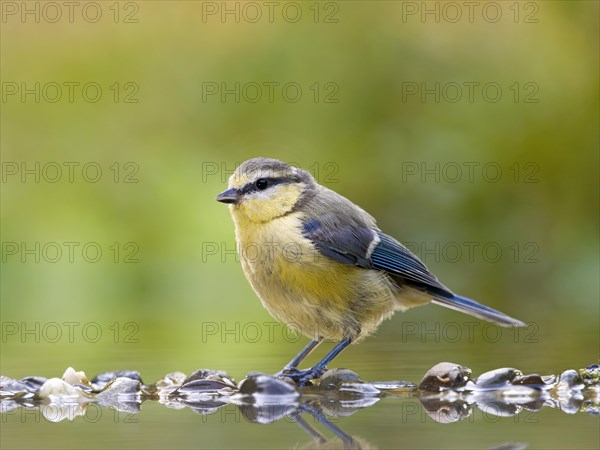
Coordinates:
267 194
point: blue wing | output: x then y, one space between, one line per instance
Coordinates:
360 245
371 249
392 257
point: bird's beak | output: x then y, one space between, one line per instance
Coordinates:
229 196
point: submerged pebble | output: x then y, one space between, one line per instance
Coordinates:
495 379
336 377
13 388
444 376
534 381
204 381
591 375
257 383
101 380
398 386
568 380
33 383
359 389
71 376
571 404
205 387
207 374
121 386
57 390
167 384
347 382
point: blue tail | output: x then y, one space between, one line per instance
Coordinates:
471 307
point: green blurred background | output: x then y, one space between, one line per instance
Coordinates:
183 146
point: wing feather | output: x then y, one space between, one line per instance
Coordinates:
366 247
354 245
392 257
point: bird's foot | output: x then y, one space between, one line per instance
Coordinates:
301 377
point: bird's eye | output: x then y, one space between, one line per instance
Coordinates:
261 184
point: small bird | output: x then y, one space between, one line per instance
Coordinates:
320 264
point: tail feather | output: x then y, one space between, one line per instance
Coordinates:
471 307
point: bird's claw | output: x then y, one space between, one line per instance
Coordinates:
301 377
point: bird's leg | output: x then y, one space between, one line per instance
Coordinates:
303 376
293 364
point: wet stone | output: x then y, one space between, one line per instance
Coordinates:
347 382
334 378
121 394
495 379
362 389
167 384
534 381
171 379
570 379
444 376
120 387
13 388
204 381
74 377
402 386
289 381
519 394
101 380
591 375
264 384
84 388
33 383
56 388
205 387
207 374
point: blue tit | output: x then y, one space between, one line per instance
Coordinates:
320 264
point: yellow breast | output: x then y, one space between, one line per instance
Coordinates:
316 295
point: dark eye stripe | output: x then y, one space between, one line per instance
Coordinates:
251 186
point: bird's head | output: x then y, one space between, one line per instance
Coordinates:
263 189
